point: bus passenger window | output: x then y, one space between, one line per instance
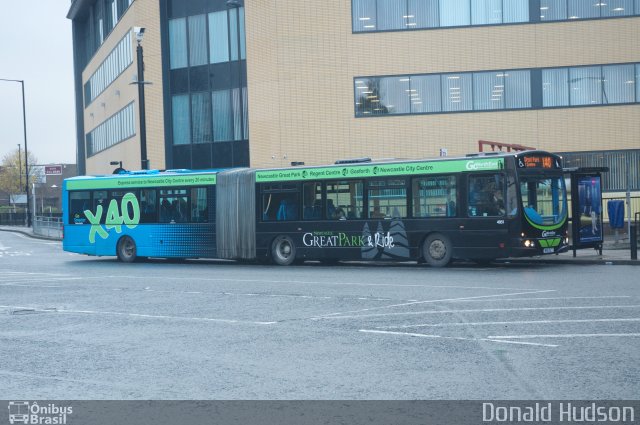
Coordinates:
100 199
312 201
344 200
486 196
199 205
387 198
148 211
280 202
173 206
78 203
434 197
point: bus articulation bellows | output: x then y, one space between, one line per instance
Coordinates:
480 208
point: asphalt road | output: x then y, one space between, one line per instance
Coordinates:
77 327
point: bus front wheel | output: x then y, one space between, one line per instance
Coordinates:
126 250
283 251
437 250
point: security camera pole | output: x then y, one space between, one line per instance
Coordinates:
139 32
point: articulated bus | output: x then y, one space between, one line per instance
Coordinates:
480 208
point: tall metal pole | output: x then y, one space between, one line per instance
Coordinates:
26 153
143 122
629 196
20 165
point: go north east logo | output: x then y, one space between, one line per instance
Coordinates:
23 412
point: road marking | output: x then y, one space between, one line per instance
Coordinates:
484 310
138 315
318 282
418 335
516 322
547 298
426 302
30 286
564 336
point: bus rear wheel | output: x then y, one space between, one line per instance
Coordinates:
283 251
126 250
437 250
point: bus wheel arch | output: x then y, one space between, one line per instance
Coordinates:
283 250
437 249
126 249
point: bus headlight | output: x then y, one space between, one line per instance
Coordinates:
528 243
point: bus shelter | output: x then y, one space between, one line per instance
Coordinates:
586 207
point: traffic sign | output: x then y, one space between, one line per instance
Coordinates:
53 170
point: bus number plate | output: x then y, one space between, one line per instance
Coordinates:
548 250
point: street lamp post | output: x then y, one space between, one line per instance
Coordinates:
20 165
144 162
26 152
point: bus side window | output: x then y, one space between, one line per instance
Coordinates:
199 212
435 196
486 195
312 201
280 202
148 209
345 200
78 203
387 198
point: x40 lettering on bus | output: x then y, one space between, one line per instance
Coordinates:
116 217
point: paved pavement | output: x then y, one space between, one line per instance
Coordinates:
612 254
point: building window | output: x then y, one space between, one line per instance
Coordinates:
485 12
222 116
181 119
201 117
178 43
618 83
517 85
364 15
218 37
555 87
454 13
393 15
488 90
236 33
197 40
423 14
115 63
553 10
114 130
425 94
497 90
456 92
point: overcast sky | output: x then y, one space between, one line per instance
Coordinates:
36 46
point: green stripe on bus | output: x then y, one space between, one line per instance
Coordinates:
380 170
139 182
551 227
